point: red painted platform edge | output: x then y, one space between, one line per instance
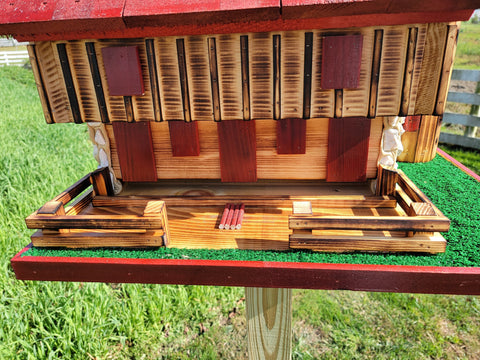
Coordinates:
458 164
378 278
90 29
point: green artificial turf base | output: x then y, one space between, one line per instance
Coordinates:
455 193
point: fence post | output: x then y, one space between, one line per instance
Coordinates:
471 131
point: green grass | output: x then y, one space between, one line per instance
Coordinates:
48 320
468 48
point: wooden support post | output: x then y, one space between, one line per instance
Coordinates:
269 323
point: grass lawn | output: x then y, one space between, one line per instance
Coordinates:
48 320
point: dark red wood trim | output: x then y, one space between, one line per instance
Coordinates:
184 138
238 150
291 136
379 278
88 29
412 123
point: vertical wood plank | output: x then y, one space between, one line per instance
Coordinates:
184 138
212 60
47 111
277 87
392 69
427 141
431 69
261 76
407 81
135 151
182 69
153 75
230 72
198 75
348 140
292 74
446 74
169 80
377 54
307 75
417 67
97 83
291 136
237 145
245 77
269 323
143 105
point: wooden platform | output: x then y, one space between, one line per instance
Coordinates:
187 214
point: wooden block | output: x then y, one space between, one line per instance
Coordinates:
421 208
386 181
237 145
291 136
427 141
184 138
135 151
348 140
342 56
123 70
102 182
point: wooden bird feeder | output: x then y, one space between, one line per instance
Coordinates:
292 114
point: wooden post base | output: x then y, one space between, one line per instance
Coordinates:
269 323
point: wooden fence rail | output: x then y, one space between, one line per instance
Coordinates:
14 57
471 121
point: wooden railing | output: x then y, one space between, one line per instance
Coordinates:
13 57
470 121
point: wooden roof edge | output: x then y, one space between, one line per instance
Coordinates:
87 19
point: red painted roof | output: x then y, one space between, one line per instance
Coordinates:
77 19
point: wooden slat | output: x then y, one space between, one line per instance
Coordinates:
376 132
73 191
323 101
341 61
182 69
291 136
129 109
212 60
80 203
135 151
237 146
386 181
464 98
93 239
392 68
153 75
277 81
92 222
375 77
47 111
307 75
473 143
431 69
53 80
356 101
184 138
97 84
169 79
251 201
407 80
427 141
245 77
230 73
292 60
417 66
261 76
345 243
348 149
69 82
198 75
448 58
375 223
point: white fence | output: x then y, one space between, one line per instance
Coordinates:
471 121
13 57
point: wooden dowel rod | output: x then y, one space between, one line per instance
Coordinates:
238 225
224 217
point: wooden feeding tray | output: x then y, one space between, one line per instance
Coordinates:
338 217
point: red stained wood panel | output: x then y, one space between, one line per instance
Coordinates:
238 150
385 278
123 70
135 151
291 136
347 156
412 123
184 138
342 57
